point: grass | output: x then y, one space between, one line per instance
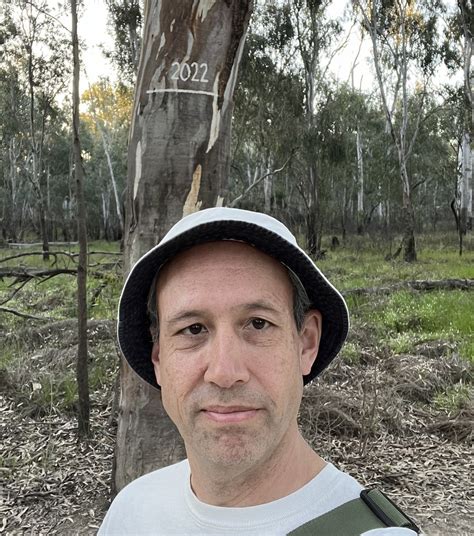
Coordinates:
396 322
55 298
361 263
404 319
455 398
47 379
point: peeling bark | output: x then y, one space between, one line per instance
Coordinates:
178 162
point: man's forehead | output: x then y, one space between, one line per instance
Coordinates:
211 254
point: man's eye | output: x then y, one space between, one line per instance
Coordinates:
193 329
259 323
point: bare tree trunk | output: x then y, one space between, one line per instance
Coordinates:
178 163
13 153
36 171
313 218
112 177
267 193
398 133
81 369
360 183
464 193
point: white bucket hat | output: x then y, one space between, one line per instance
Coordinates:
210 225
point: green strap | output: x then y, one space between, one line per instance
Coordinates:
350 519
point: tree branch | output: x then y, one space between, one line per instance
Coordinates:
233 203
22 273
33 253
23 315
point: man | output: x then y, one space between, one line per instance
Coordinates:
230 318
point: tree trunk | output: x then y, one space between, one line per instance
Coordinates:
465 186
409 245
466 177
360 183
313 217
178 162
81 369
398 132
112 177
36 152
268 185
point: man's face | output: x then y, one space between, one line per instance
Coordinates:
229 358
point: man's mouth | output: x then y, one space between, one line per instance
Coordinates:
229 414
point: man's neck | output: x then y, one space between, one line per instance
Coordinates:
280 476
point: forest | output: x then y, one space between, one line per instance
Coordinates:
327 155
352 122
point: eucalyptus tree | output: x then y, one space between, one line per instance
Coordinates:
466 16
267 126
290 47
316 34
106 120
13 153
434 161
82 376
178 162
349 130
405 47
459 51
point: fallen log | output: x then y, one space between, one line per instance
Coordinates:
418 285
36 244
56 253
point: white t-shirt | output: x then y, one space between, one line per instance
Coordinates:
163 503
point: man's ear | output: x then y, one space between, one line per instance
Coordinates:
155 358
310 336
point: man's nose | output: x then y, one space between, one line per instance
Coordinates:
226 360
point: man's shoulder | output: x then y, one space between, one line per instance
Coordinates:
339 487
172 473
141 505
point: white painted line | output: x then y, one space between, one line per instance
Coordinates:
198 92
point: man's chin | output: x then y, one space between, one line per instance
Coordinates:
229 446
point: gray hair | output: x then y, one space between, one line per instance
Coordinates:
301 304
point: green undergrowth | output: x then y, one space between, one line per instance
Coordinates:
407 319
55 298
352 267
402 322
454 398
38 356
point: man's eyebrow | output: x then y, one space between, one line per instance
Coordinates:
180 316
192 314
261 305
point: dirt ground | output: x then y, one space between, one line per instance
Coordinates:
373 418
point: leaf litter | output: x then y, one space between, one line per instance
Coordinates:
375 418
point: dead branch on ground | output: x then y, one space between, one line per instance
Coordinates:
419 285
23 315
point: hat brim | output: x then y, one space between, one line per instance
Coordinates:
134 323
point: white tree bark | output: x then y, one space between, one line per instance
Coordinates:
179 157
112 176
398 48
360 180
